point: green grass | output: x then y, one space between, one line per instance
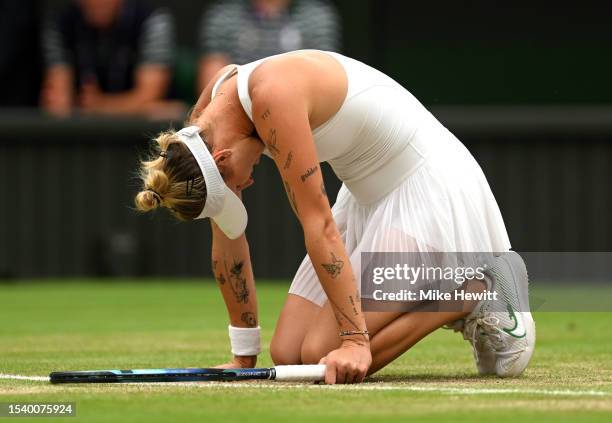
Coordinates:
48 326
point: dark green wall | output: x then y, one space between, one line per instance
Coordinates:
497 52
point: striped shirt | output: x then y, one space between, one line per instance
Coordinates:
234 29
140 36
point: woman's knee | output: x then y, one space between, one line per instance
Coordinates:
283 353
291 328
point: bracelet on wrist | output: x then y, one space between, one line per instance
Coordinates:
354 332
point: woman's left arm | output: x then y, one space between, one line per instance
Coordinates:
281 117
205 98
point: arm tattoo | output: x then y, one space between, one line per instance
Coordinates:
335 267
288 161
311 171
291 196
238 282
355 312
341 316
218 276
272 148
249 319
266 114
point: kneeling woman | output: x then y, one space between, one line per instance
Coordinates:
408 185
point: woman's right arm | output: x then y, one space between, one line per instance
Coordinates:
231 265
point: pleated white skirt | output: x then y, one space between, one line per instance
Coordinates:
446 205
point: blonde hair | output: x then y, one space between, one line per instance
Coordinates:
171 178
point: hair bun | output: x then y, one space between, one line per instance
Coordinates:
146 201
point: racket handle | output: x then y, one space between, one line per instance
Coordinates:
310 372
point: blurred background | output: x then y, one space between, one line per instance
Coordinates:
86 83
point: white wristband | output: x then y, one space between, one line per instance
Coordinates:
245 341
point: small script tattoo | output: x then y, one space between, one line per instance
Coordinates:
342 317
249 319
311 171
335 267
272 148
266 114
355 312
288 161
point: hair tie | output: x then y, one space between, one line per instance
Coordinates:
158 198
163 154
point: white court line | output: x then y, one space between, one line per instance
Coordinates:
362 387
19 377
388 387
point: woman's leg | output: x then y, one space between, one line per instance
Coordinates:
404 332
391 333
295 320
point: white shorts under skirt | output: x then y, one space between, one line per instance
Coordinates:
445 205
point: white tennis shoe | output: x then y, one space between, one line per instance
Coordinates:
484 354
502 332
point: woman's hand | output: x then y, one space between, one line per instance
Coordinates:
349 363
239 362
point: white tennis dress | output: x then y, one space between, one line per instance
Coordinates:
409 185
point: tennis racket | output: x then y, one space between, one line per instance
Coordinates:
303 373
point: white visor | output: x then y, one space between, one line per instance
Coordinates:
222 205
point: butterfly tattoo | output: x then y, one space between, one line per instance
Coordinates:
335 267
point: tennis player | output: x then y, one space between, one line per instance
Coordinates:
409 185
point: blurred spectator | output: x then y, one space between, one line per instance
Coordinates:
109 57
19 53
241 31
